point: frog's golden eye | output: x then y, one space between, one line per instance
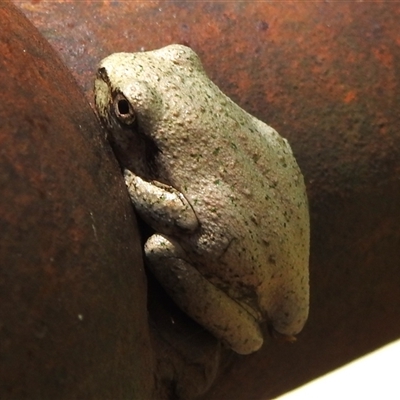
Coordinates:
123 110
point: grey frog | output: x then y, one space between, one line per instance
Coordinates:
221 189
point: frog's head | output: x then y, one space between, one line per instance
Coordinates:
130 109
143 99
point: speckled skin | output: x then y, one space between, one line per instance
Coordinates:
222 190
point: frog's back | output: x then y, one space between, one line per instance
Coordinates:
249 195
247 191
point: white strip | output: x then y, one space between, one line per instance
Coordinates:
374 376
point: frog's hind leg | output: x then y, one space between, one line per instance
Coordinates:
200 299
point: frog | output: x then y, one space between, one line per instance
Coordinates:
220 189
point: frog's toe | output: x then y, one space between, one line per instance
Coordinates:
289 316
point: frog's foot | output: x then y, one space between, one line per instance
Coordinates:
200 299
163 207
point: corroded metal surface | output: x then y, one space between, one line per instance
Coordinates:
72 317
324 75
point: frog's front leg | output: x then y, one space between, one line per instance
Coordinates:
200 299
164 208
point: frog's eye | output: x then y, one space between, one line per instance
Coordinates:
123 110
